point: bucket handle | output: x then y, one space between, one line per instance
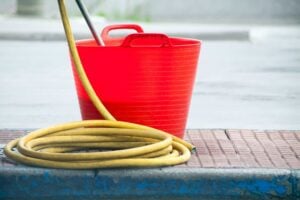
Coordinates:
163 39
107 29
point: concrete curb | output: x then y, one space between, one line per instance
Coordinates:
35 29
296 183
237 36
52 30
163 183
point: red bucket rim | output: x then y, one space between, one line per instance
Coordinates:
185 42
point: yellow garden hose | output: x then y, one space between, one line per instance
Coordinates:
97 143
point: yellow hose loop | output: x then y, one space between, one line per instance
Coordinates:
118 144
140 156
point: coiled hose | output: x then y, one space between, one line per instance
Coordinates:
117 144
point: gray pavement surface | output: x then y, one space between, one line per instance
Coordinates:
239 84
249 83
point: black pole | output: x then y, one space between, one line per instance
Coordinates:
85 14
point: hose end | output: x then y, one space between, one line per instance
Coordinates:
193 150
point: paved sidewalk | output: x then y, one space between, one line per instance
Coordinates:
229 164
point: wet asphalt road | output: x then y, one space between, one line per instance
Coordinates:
239 84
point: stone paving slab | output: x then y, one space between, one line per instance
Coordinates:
245 148
228 164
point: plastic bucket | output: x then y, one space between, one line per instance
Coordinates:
144 78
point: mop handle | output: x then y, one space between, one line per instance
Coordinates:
85 14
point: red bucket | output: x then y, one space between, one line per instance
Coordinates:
143 78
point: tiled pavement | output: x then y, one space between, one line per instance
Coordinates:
245 148
228 164
226 148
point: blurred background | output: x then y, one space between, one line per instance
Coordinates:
214 11
248 73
